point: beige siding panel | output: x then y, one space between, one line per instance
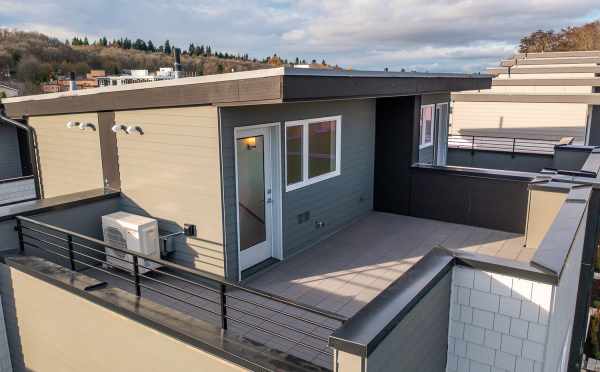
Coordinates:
172 172
559 75
540 89
525 120
69 159
61 331
557 65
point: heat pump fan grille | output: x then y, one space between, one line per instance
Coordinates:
115 238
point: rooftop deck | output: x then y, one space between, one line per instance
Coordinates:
341 275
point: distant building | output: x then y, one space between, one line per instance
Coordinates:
62 84
138 76
542 96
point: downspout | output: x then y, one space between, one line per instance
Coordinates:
30 144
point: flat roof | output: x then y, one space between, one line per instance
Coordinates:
276 85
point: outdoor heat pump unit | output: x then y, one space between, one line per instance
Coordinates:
132 232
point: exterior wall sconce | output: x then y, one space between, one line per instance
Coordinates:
250 143
134 129
128 129
119 127
84 126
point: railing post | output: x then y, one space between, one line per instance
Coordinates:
223 307
71 255
20 234
513 147
472 145
136 273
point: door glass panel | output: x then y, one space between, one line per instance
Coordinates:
321 148
251 191
293 138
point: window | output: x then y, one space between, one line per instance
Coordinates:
312 151
426 126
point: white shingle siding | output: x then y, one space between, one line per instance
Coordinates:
17 191
497 323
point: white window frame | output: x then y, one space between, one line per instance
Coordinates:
305 146
423 144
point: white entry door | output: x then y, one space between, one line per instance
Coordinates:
254 169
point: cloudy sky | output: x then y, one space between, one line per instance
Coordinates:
425 35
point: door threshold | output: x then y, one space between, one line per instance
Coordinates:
246 273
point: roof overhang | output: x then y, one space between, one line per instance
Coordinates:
269 86
589 99
564 82
544 70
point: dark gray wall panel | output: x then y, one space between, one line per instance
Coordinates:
336 201
594 128
420 341
499 160
396 148
570 158
498 203
10 158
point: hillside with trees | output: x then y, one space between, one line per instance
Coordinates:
28 59
585 37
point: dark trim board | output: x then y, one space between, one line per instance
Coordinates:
56 203
109 151
291 85
268 88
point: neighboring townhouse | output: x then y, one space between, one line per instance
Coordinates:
17 183
536 95
287 220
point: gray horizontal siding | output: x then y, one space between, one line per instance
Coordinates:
336 201
10 158
420 341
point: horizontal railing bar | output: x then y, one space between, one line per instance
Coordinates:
295 342
208 288
279 311
206 275
179 299
79 262
180 289
294 329
25 227
466 136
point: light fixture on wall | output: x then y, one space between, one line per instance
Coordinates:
84 126
250 142
134 129
119 127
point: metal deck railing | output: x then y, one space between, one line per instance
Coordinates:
138 270
511 145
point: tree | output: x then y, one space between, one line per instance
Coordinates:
140 44
151 47
167 48
192 49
